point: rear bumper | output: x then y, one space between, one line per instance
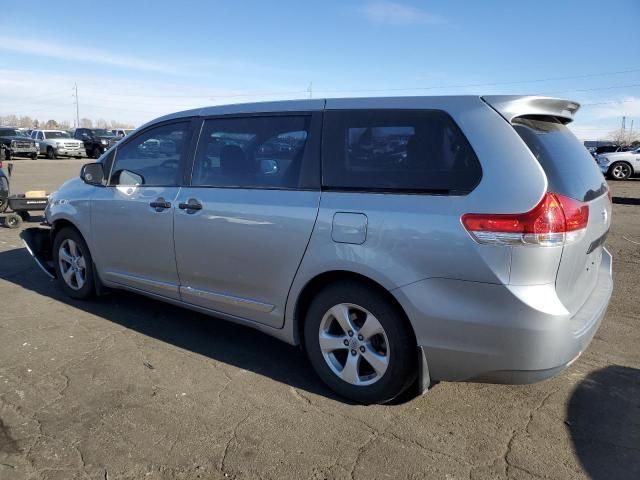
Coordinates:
472 331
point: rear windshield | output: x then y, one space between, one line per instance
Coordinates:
570 168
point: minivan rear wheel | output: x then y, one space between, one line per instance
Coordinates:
359 343
73 264
620 171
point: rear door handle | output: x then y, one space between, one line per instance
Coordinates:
160 204
191 205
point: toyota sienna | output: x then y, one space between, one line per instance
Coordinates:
399 241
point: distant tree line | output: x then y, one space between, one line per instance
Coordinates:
27 122
624 136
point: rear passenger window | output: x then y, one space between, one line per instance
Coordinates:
391 150
253 152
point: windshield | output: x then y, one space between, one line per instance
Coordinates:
9 132
101 132
54 134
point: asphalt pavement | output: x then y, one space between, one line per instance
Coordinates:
125 387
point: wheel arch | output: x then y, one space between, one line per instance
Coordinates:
320 281
61 223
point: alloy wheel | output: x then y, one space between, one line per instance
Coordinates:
621 171
354 344
72 264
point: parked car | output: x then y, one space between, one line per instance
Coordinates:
96 140
620 165
58 143
122 132
400 240
17 144
607 149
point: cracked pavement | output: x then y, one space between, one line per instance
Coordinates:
126 387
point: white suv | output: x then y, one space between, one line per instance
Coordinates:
58 143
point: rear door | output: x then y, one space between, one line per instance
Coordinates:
571 172
243 224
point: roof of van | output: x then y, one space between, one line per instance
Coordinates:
509 106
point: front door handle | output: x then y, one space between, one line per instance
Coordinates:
191 205
160 204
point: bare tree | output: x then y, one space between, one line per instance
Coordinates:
51 124
117 124
86 123
36 124
10 120
25 122
101 123
64 125
624 136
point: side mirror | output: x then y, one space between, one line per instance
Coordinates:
93 174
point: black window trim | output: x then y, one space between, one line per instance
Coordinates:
400 191
185 154
314 144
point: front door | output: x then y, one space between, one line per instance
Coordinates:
243 225
132 217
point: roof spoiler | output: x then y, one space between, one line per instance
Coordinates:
513 106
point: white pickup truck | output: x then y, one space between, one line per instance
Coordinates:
620 165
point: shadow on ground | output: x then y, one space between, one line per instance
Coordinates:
603 416
220 340
626 200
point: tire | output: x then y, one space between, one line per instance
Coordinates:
34 156
620 171
343 360
51 153
13 220
24 215
74 268
95 153
4 203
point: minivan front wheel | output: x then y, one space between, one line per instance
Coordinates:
359 343
73 264
620 171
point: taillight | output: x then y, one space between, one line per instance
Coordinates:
609 194
555 220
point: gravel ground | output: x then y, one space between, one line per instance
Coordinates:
127 388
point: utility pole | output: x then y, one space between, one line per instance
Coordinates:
75 96
310 89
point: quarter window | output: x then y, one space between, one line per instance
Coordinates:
252 152
412 151
153 157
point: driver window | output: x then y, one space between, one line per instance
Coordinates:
153 157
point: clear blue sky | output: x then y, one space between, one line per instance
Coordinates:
135 60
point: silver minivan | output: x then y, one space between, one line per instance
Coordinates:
399 241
